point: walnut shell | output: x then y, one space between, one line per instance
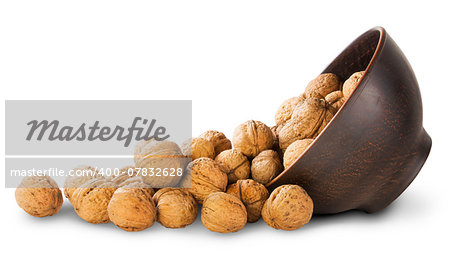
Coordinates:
308 119
322 85
198 148
81 175
132 209
207 176
252 194
223 213
285 110
252 137
218 139
159 155
176 208
351 83
335 99
39 196
235 164
289 207
295 150
266 166
91 200
137 182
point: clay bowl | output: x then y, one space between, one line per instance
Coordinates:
375 145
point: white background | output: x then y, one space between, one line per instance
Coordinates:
237 60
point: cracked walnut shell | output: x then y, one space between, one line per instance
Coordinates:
218 139
132 209
322 85
176 208
289 207
252 194
223 213
235 164
39 196
266 166
252 137
207 177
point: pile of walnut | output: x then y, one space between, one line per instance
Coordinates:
226 178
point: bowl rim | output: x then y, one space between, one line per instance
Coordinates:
362 83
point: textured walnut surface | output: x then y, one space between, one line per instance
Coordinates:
308 119
224 213
335 99
176 208
252 137
218 139
39 196
288 207
266 166
351 83
235 164
295 150
80 176
207 177
322 85
285 110
132 209
198 148
159 155
252 194
91 200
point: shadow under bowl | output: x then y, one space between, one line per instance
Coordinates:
376 144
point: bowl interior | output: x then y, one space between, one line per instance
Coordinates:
357 56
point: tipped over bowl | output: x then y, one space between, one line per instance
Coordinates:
375 145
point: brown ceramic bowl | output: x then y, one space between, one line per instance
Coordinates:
375 145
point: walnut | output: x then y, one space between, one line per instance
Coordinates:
266 166
176 208
351 83
78 177
223 213
295 150
235 164
285 110
198 148
156 156
252 194
132 209
335 99
322 85
308 119
137 182
218 139
252 137
91 200
289 207
39 196
207 176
